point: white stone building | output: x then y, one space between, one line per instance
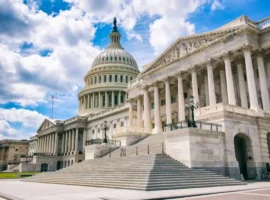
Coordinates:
226 70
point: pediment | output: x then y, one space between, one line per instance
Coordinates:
45 125
185 46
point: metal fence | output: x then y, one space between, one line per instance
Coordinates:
100 141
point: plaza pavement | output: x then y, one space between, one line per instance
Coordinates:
18 190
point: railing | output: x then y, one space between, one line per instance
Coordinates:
108 111
199 124
42 154
144 149
100 141
264 23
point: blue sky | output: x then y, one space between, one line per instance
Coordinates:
47 46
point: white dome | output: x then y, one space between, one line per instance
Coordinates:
115 56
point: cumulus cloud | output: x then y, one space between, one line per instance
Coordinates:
217 5
28 118
6 130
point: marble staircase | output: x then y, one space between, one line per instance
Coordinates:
142 172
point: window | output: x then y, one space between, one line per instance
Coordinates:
152 105
115 78
93 131
122 98
110 78
95 80
185 95
91 81
114 126
99 79
131 78
122 123
16 149
173 99
163 102
98 130
105 79
126 79
121 79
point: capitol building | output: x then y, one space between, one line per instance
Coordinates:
204 102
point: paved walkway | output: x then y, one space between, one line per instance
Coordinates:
18 190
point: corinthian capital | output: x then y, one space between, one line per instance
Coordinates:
209 62
155 84
145 87
166 79
239 60
260 52
246 47
227 55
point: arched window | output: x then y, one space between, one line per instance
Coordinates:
105 79
126 79
131 78
99 79
121 79
110 78
95 80
115 78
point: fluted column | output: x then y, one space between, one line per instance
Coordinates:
206 90
241 82
158 127
66 141
106 99
263 80
76 140
211 83
93 100
223 86
112 98
72 140
130 113
139 112
268 68
56 144
147 113
84 138
63 143
69 141
168 101
119 98
52 143
195 86
229 78
99 100
45 144
181 100
250 78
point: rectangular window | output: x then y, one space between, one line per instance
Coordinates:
163 102
173 99
122 123
114 126
152 105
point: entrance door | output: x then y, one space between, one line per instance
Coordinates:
58 165
44 167
241 154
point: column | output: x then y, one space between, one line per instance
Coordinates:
45 144
211 83
223 86
112 98
93 100
84 138
72 140
66 142
119 98
51 143
229 77
250 78
63 143
206 90
268 68
195 86
76 140
99 100
147 112
130 113
69 141
241 82
181 100
158 127
168 101
56 144
263 80
80 104
89 101
106 99
139 112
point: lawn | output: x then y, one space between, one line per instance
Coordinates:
9 175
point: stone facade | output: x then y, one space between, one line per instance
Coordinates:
226 71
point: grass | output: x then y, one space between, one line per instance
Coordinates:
11 175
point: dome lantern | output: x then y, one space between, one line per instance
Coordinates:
115 37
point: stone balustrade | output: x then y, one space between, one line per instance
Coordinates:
264 23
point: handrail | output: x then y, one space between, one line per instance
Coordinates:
100 141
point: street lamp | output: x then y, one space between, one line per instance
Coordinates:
192 106
105 128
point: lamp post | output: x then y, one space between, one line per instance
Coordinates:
192 106
105 128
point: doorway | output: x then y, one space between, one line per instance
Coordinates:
44 167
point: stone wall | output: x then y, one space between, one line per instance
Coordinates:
198 148
27 167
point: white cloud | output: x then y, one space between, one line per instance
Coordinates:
6 130
28 118
217 5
